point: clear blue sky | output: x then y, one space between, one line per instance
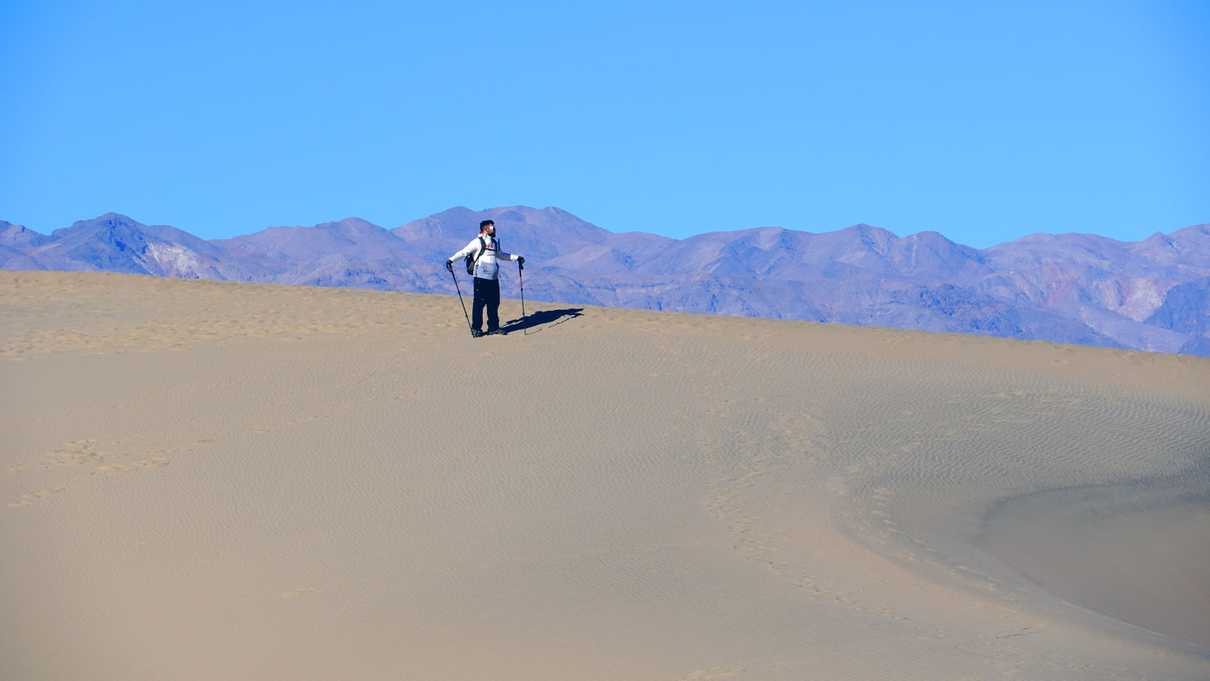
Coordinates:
982 123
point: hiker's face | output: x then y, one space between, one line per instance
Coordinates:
490 231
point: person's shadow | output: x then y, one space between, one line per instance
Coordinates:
542 318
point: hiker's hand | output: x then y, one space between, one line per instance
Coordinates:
520 260
449 265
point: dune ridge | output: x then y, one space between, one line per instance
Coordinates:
207 479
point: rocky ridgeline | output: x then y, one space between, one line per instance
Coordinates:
1152 294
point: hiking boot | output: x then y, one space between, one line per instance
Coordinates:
476 333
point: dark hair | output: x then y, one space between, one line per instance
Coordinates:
483 225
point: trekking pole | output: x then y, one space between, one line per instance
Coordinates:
520 269
464 314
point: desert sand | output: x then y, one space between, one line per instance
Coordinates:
204 480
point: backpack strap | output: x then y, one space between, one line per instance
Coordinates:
475 259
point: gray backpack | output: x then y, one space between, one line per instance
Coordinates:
470 260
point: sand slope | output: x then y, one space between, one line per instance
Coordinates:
204 480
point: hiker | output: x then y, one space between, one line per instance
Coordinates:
484 251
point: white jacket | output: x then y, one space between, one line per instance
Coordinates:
486 267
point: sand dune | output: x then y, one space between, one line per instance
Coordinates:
204 480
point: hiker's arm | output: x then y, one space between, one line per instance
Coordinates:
470 248
507 256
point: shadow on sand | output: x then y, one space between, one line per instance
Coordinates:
544 319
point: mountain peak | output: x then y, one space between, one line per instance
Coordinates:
870 232
105 221
112 219
19 235
352 223
875 239
1198 231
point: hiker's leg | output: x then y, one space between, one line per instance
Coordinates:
477 305
493 303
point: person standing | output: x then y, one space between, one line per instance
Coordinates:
486 253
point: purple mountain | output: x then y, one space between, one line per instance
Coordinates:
116 243
350 252
1151 295
15 243
1186 310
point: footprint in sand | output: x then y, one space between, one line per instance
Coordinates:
74 453
297 593
712 674
29 498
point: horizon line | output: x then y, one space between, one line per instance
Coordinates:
855 225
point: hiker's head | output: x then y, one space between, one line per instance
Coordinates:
487 227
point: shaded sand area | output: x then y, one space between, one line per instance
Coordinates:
204 480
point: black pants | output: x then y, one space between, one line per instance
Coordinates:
487 293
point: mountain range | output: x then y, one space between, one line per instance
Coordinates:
1150 295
